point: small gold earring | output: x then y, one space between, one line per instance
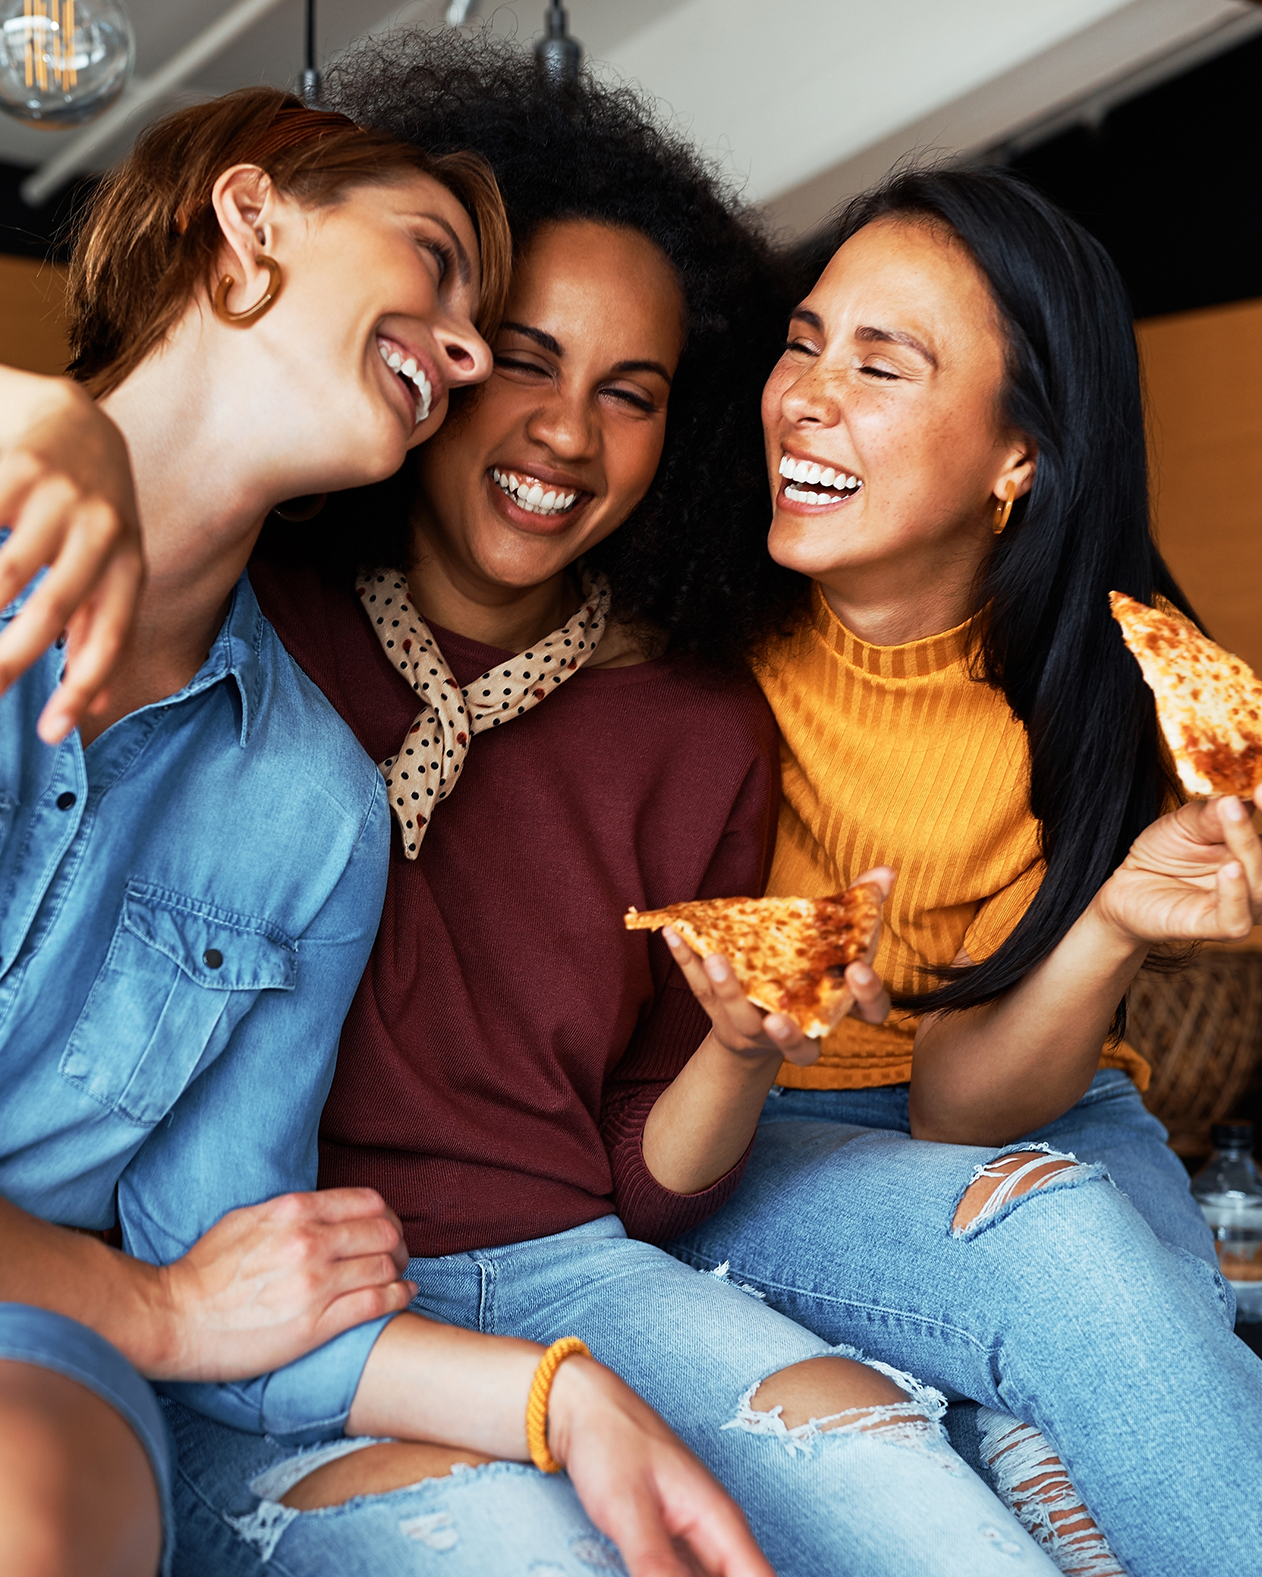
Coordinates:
1004 510
242 320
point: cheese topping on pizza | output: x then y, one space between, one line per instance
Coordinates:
789 954
1209 703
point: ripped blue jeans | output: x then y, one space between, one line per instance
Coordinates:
1090 1308
891 1501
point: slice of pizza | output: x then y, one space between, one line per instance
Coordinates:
1209 703
789 954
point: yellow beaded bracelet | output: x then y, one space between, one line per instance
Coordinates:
537 1402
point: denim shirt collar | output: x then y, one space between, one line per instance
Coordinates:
235 652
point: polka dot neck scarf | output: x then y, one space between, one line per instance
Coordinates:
428 761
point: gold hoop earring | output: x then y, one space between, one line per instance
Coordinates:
1004 510
242 320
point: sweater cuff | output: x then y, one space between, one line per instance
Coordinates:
656 1214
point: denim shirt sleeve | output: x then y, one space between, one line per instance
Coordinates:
270 1082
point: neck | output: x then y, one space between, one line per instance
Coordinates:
201 509
456 597
893 603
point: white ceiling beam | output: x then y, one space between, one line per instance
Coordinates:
76 156
786 91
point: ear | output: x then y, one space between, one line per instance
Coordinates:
1017 476
244 201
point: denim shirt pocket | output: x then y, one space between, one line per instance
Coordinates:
175 970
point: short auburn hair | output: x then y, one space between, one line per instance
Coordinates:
149 236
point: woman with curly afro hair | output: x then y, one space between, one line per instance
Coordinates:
536 633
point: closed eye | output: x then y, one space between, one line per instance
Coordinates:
442 254
880 372
802 346
640 401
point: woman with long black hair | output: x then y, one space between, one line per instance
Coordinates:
955 442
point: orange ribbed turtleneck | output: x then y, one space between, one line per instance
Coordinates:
894 755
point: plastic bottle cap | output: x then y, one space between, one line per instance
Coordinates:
1232 1136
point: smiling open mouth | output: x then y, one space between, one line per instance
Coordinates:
411 376
532 495
823 485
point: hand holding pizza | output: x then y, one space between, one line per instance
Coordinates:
1194 875
746 1029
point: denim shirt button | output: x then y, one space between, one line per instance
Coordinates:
212 958
65 801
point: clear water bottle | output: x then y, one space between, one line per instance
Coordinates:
1229 1191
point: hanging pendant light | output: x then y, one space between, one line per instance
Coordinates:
311 73
63 62
558 54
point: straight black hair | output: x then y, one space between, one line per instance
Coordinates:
1044 636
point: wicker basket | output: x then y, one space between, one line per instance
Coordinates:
1201 1030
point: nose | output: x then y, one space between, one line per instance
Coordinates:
562 423
468 355
812 398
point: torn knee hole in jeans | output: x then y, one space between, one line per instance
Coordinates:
1013 1175
915 1422
1034 1484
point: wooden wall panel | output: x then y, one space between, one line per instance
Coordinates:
32 335
1204 378
1203 372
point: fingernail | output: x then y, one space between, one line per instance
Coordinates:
715 968
861 975
672 937
1233 810
1234 869
776 1026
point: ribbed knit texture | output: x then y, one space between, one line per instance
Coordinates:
894 755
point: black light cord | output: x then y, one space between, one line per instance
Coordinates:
310 75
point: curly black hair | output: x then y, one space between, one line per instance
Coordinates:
691 560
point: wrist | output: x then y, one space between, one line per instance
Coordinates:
163 1330
576 1394
748 1066
1111 940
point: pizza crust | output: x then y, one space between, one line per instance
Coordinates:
1209 703
789 954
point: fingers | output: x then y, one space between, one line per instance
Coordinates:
881 876
871 1000
1242 840
1234 913
716 987
362 1304
98 630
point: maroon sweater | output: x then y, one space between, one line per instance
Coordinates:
509 1037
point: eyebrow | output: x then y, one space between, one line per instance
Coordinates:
869 335
463 267
896 337
546 342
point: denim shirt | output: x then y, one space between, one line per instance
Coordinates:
186 908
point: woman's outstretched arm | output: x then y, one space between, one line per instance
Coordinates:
66 498
990 1074
637 1482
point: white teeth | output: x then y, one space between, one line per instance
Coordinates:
826 476
812 474
531 495
394 361
384 350
786 465
408 369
